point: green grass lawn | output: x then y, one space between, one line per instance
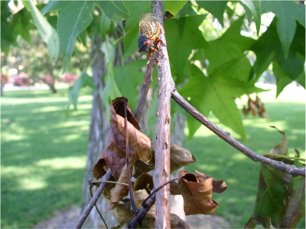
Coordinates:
221 161
43 154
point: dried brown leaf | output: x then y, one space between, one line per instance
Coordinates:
179 157
122 212
144 181
282 147
219 186
114 155
245 111
177 222
174 190
197 193
143 167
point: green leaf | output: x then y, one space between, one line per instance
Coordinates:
216 8
230 45
187 10
294 200
247 11
216 93
175 6
264 221
21 24
268 49
272 188
136 8
105 24
287 13
111 90
114 10
183 35
193 126
255 8
301 79
129 78
74 91
56 5
70 23
47 32
282 79
82 37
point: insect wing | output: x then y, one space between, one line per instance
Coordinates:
149 25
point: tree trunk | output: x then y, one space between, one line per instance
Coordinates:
97 140
178 137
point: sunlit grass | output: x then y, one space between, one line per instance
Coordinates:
43 155
221 161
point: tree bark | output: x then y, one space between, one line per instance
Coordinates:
97 140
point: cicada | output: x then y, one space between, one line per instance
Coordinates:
148 31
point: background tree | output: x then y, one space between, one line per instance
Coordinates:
211 69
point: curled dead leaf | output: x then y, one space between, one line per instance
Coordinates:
177 222
144 181
122 212
179 157
114 155
197 193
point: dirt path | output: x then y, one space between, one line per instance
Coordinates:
68 218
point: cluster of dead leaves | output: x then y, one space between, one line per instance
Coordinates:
254 105
196 189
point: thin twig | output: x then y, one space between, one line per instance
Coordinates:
291 169
93 201
134 208
90 186
144 89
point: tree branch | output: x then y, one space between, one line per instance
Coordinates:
93 201
291 169
162 128
144 89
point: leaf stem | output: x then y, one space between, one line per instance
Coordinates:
282 156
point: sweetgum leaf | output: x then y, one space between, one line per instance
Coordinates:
136 8
282 79
216 93
295 200
175 6
128 78
47 32
255 8
216 8
70 23
114 10
288 13
74 91
230 45
183 35
268 48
